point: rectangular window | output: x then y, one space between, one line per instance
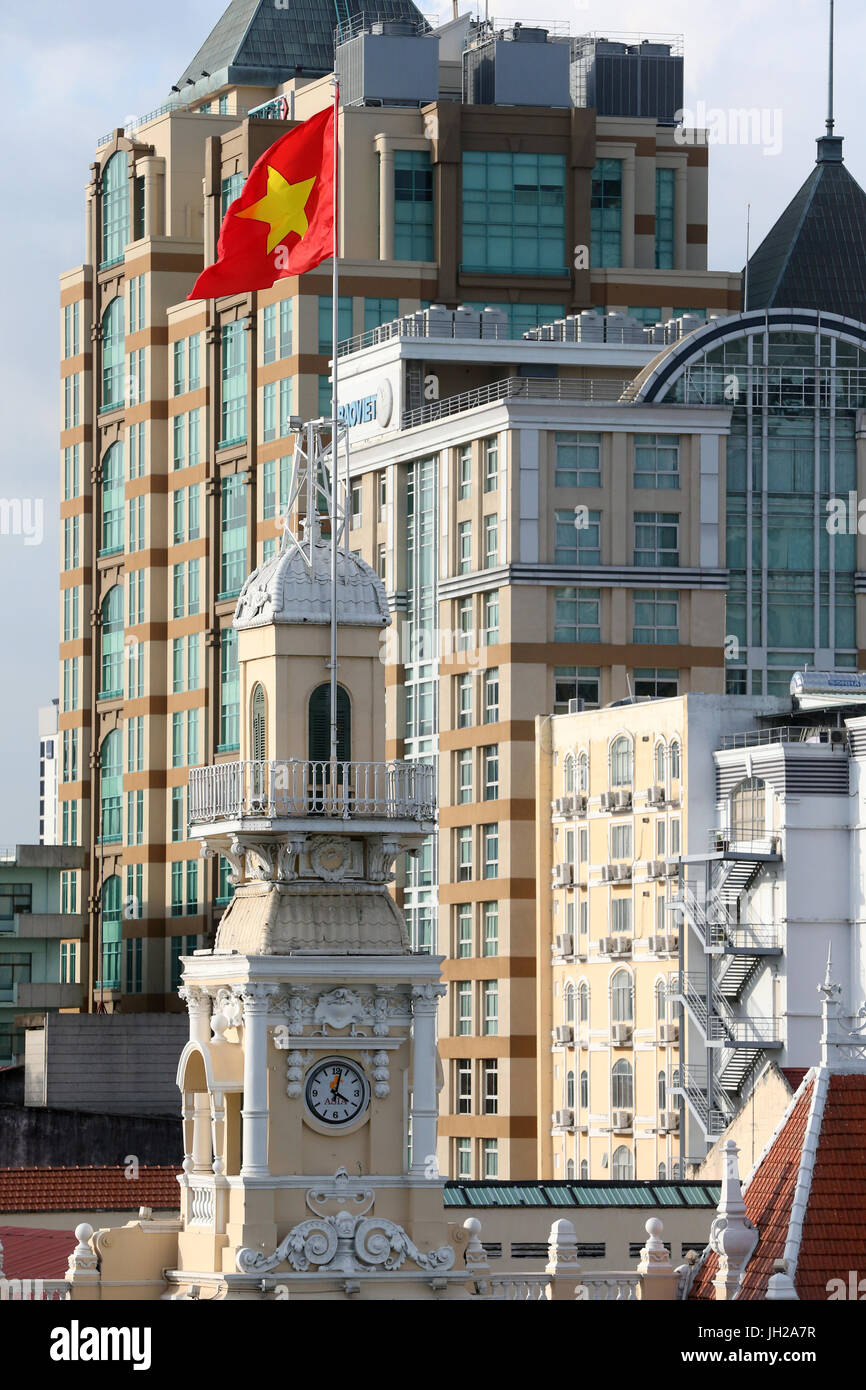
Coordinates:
576 683
463 943
179 362
464 1008
491 618
464 624
178 822
463 1087
656 539
379 311
464 776
229 691
463 1157
382 490
192 665
675 838
326 326
490 765
356 505
194 438
324 397
464 701
178 450
490 449
231 187
464 472
71 472
464 547
490 1087
491 695
606 214
413 206
491 541
577 459
135 818
382 563
234 382
490 848
133 964
178 652
490 919
577 537
136 450
177 738
490 1007
490 1157
620 842
72 329
68 962
464 853
656 616
269 411
576 615
660 839
620 916
233 526
657 461
514 213
136 377
664 248
656 684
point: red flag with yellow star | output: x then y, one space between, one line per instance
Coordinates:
282 222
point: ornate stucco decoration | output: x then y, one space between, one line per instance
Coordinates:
348 1241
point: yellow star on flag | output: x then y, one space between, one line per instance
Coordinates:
282 207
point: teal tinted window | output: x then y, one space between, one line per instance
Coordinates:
230 190
413 206
379 311
112 355
606 214
115 208
112 930
112 501
514 213
326 320
112 644
665 219
111 786
229 691
233 530
234 382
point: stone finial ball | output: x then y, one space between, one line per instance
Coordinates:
472 1225
83 1233
654 1227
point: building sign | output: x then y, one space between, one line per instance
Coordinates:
366 409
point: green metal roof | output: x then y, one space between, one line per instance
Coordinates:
581 1194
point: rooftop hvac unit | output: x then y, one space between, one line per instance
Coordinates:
627 79
564 1033
576 706
621 1034
621 1119
391 65
517 67
564 1119
669 1032
564 944
655 796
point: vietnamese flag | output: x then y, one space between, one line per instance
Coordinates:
282 222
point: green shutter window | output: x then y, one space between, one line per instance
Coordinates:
259 735
320 724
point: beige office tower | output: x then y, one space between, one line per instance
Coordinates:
469 177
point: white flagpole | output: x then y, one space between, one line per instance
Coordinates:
334 469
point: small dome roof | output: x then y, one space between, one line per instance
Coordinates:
287 589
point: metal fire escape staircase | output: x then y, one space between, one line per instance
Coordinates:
734 952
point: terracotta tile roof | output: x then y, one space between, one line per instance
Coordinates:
794 1075
833 1238
87 1189
31 1253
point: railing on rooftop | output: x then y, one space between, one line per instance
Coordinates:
519 388
786 733
297 787
368 21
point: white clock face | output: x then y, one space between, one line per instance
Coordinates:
337 1091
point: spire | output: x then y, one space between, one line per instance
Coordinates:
830 145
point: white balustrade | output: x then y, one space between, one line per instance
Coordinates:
303 787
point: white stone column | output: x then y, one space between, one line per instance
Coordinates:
202 1154
199 1008
386 197
425 1105
255 1106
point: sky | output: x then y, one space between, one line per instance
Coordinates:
95 65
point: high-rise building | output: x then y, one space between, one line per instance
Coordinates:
49 762
175 438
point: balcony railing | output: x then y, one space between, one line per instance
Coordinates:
295 787
587 390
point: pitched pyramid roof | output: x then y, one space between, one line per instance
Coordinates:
807 1194
815 255
257 42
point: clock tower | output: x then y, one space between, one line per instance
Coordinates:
310 1081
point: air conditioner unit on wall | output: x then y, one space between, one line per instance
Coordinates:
622 873
564 1119
622 946
563 875
621 1119
655 796
669 1032
559 804
605 945
654 868
622 799
564 1033
621 1034
579 800
564 944
669 1119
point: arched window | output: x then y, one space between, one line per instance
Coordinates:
675 1079
112 644
659 763
113 363
111 786
584 1090
569 1090
675 761
583 1002
661 1001
621 762
258 729
569 1169
584 1169
568 775
112 930
115 208
622 997
663 1172
569 1003
676 1169
748 809
320 724
623 1164
112 501
662 1088
622 1085
583 773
